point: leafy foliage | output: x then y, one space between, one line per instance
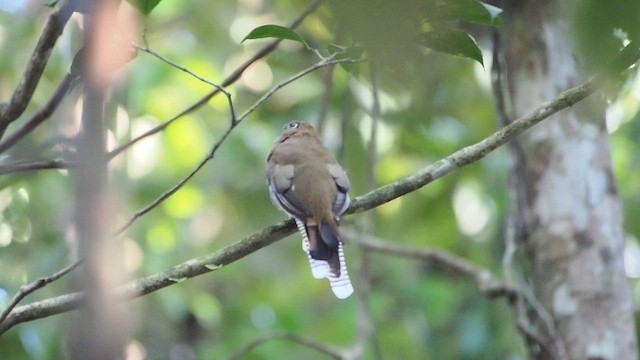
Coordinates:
454 42
602 29
472 11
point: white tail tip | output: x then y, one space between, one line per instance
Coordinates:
341 285
319 268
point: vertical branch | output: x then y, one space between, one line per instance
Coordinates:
100 330
572 222
366 323
522 304
498 84
325 101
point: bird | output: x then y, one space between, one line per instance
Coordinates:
306 182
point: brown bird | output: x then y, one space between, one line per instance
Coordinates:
306 182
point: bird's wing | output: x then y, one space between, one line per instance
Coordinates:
341 202
280 181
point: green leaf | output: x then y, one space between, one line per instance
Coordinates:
602 28
144 6
473 11
178 280
454 42
274 31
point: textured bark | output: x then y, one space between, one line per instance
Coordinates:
569 210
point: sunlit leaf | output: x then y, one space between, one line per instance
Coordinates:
466 10
273 31
454 42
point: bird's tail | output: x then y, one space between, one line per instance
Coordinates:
325 252
341 284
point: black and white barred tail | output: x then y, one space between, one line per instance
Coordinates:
320 269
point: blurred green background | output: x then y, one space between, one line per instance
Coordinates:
432 104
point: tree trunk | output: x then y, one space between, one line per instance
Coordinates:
568 207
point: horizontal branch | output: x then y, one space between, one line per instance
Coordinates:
329 350
472 153
20 166
269 235
38 284
149 284
484 280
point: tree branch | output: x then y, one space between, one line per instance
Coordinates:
149 284
20 166
485 281
472 153
42 114
11 110
366 325
235 122
38 284
269 235
232 78
302 340
184 69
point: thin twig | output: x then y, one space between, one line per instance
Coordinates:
498 84
325 100
298 339
38 284
326 62
184 69
43 114
486 282
232 78
219 143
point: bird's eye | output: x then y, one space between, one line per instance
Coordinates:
292 125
